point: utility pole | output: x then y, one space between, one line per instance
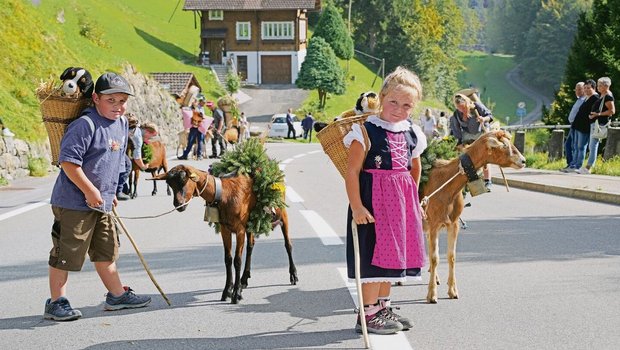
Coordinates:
348 61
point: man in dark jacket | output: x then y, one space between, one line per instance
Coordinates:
581 125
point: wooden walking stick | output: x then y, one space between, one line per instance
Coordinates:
358 283
133 243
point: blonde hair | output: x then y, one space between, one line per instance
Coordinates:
402 77
460 99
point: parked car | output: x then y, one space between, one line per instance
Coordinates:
278 127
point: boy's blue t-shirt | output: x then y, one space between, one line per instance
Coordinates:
100 154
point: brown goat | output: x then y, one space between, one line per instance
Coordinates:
235 206
446 205
158 162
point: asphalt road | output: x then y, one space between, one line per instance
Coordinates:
535 271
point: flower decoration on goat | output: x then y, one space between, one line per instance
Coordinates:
250 158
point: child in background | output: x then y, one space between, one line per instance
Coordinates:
92 153
381 184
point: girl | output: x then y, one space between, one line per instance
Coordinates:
381 184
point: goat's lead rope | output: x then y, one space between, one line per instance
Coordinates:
114 214
424 201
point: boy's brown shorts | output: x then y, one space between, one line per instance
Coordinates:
74 233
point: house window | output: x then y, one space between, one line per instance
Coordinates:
243 31
277 30
216 15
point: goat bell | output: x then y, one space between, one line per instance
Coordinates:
476 187
212 214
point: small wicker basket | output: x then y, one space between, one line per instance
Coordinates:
331 140
58 112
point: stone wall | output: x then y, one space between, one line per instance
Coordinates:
151 103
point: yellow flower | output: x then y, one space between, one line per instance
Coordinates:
278 186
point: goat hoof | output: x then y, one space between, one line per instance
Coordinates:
153 193
294 279
432 300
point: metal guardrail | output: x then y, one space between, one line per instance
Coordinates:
543 126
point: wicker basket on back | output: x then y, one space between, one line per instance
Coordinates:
58 111
331 140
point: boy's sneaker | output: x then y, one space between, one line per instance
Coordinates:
389 314
128 300
379 325
60 310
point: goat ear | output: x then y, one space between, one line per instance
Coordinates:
194 177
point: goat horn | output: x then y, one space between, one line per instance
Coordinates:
163 176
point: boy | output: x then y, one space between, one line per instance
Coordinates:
92 153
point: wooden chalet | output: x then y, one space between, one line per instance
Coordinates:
263 40
178 85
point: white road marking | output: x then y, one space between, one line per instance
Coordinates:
313 152
293 196
377 342
299 155
23 209
321 228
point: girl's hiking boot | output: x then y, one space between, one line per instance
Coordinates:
128 300
389 314
60 310
379 325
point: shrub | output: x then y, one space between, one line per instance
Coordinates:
38 167
535 160
233 82
3 181
536 140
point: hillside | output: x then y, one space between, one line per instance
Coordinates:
98 35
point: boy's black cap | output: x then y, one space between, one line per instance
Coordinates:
110 83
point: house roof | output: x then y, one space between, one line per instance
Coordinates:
238 5
176 83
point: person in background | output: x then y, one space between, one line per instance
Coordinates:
581 125
569 144
195 135
382 187
244 126
429 124
92 153
306 124
289 123
469 121
603 110
217 127
442 125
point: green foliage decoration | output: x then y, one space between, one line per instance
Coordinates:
250 158
147 152
444 148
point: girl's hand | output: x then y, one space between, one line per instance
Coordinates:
362 216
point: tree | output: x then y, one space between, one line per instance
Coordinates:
595 53
320 70
548 42
332 28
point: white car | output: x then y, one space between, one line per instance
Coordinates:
278 127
